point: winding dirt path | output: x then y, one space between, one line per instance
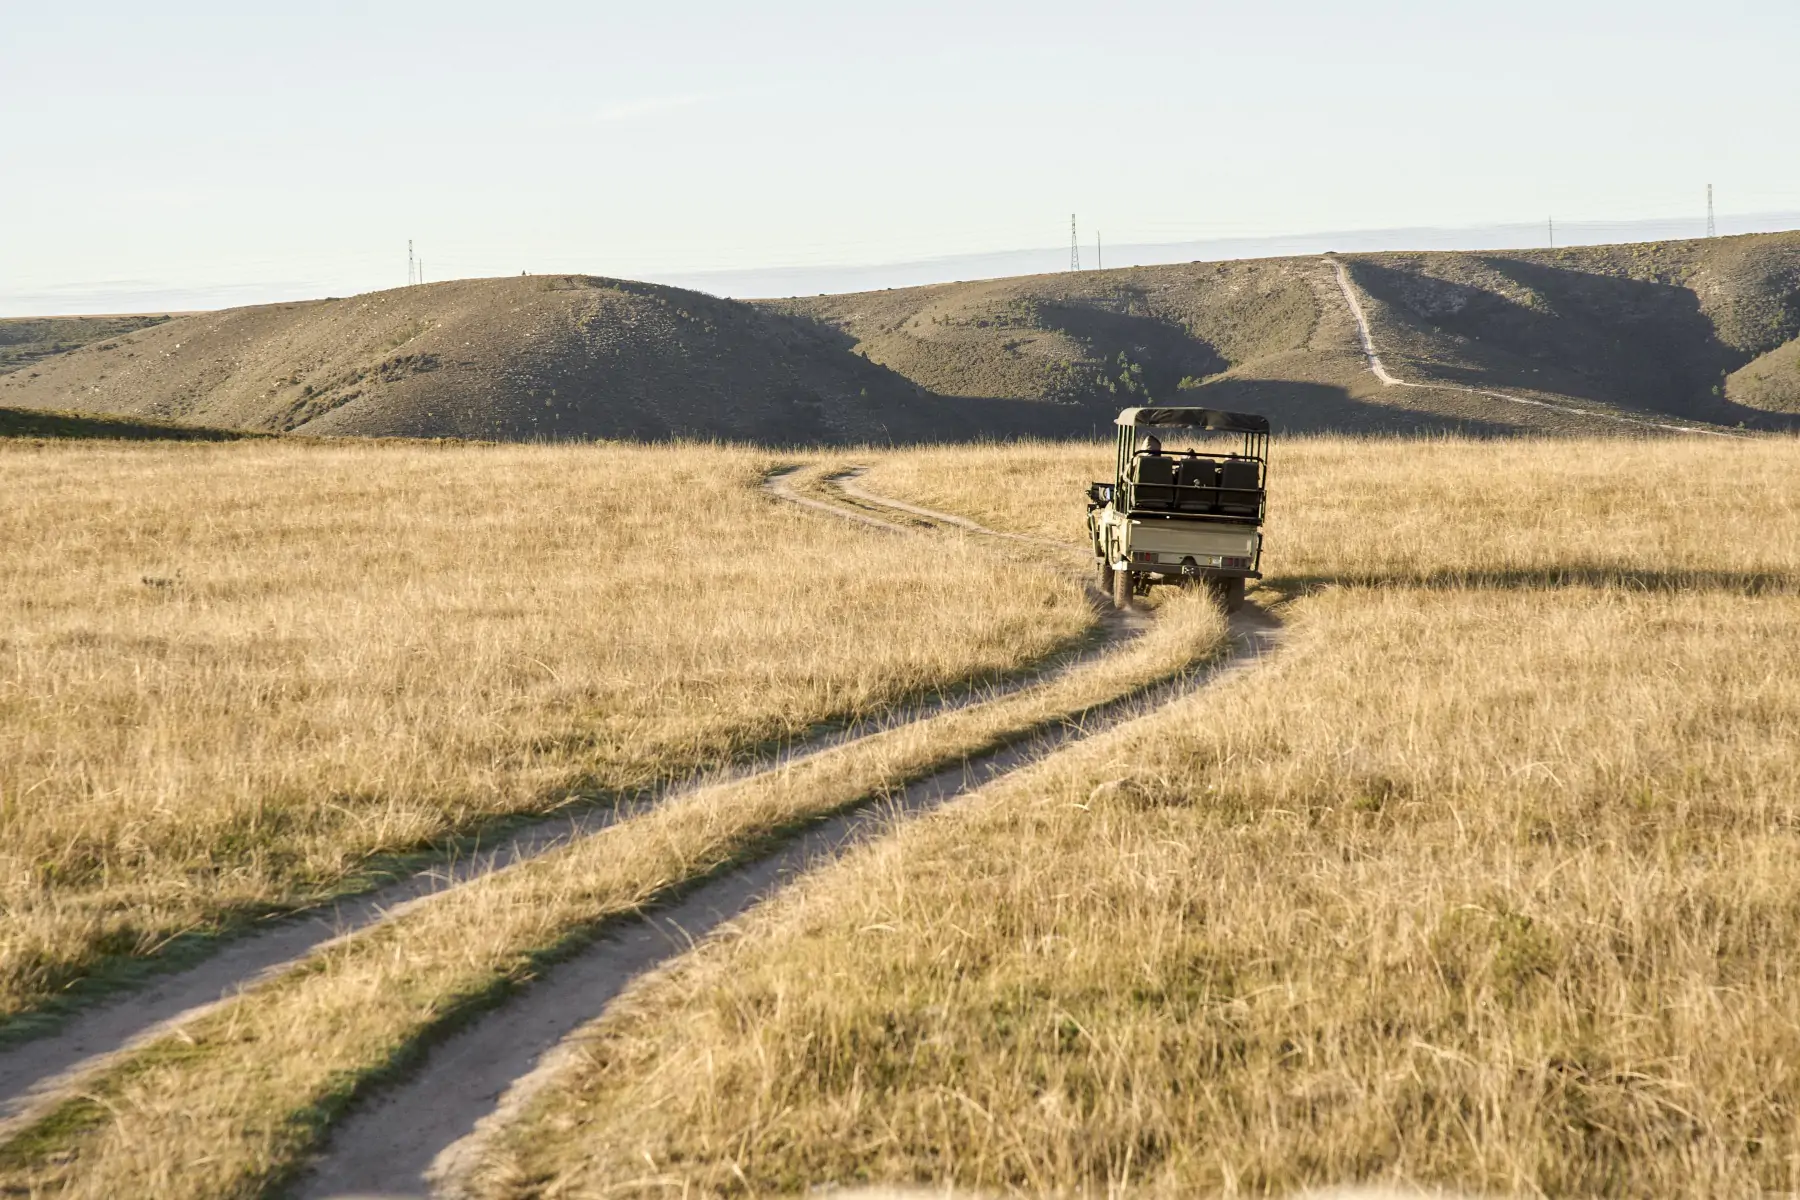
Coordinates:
1389 379
849 482
37 1073
781 484
423 1136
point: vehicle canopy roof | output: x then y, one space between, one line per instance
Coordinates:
1204 418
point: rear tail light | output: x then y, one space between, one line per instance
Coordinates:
1236 564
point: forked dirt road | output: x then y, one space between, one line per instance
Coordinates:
1389 379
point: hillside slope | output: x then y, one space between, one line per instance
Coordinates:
1770 381
1652 330
1655 328
1685 332
27 340
554 357
1096 340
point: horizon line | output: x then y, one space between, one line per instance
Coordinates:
851 278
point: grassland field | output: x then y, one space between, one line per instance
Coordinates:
233 675
1483 881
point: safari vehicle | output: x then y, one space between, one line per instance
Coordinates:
1185 504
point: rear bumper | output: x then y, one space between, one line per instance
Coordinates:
1176 563
1174 571
1167 572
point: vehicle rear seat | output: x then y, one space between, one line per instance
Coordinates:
1239 494
1155 479
1196 472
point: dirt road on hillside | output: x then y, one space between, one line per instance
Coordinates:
1389 379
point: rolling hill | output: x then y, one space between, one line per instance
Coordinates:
540 357
1655 331
1691 332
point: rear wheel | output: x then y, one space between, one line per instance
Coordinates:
1105 578
1121 589
1230 593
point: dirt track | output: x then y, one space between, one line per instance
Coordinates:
1389 379
38 1072
423 1135
848 483
420 1136
33 1073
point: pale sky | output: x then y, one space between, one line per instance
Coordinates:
266 151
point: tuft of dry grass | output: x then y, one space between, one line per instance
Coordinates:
229 675
233 1102
1484 882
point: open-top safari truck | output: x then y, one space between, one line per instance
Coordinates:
1185 503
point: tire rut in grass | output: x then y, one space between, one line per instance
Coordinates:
423 1135
850 484
35 1072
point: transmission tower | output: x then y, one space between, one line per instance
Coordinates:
1074 246
410 271
1099 260
1551 222
1712 229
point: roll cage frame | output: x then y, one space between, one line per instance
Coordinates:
1188 500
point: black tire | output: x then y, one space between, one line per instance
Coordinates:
1230 593
1105 578
1121 589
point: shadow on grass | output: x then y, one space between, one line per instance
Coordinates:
1570 575
39 423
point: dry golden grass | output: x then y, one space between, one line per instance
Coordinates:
1485 881
234 1101
1021 487
229 675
